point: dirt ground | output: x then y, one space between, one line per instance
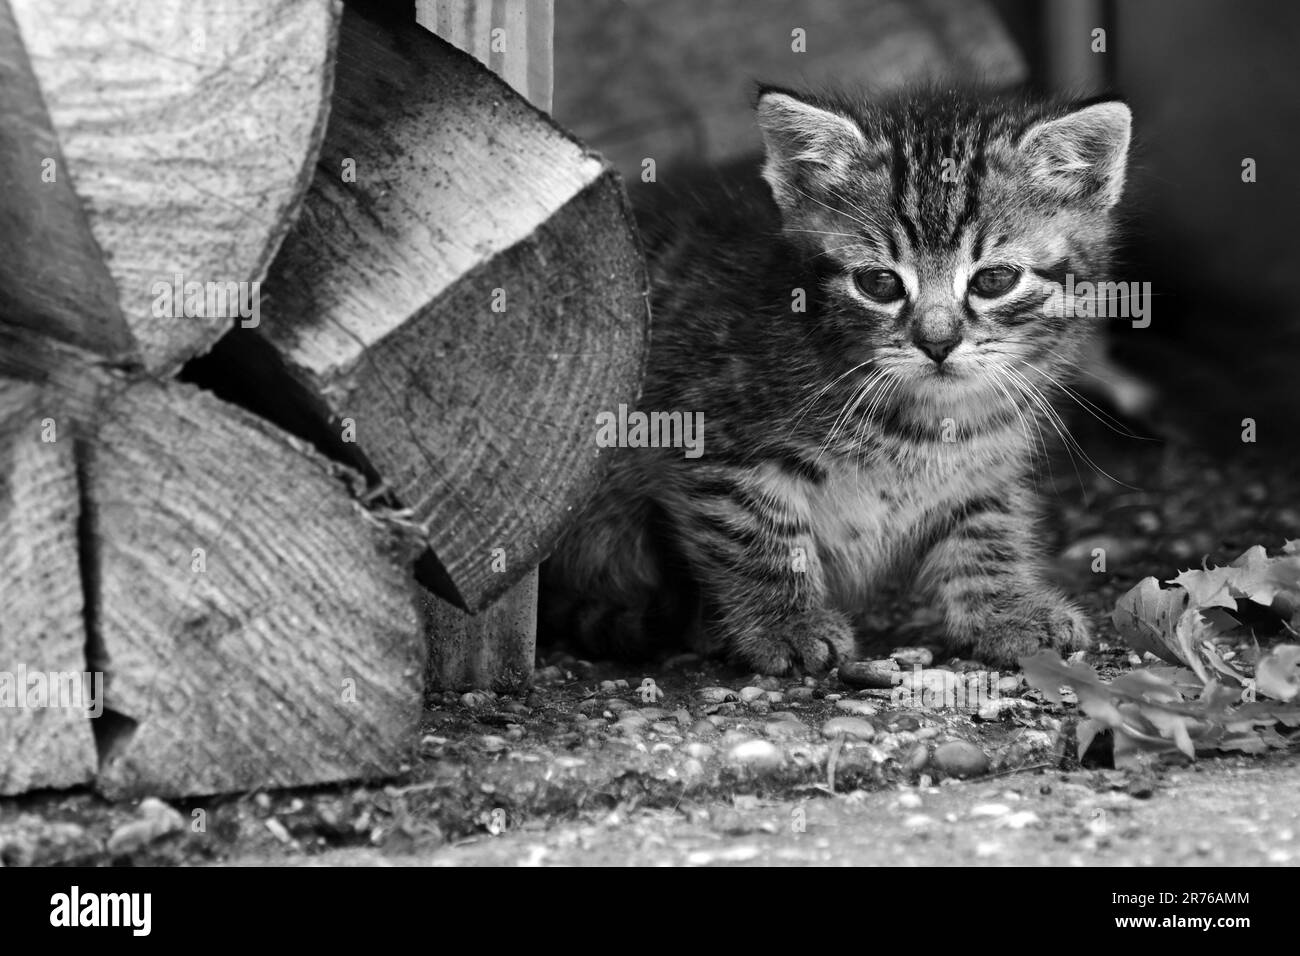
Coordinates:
718 766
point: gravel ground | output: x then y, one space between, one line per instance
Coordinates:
710 765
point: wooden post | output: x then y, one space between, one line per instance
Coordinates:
497 646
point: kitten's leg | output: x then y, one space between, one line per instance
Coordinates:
985 574
761 576
604 583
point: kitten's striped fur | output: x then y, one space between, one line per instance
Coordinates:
836 450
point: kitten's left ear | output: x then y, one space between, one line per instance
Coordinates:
805 143
1081 156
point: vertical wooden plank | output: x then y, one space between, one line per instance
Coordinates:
496 647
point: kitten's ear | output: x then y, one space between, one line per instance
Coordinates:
804 143
1081 156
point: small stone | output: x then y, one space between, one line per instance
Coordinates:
620 685
784 729
917 758
492 743
916 820
1019 820
990 810
278 830
759 707
863 708
704 728
1001 707
617 705
475 698
877 674
651 713
909 800
759 754
957 758
912 656
548 675
768 683
663 727
773 696
854 727
608 687
716 695
799 694
155 820
697 750
1009 684
683 716
516 707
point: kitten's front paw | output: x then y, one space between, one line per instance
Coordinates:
1024 627
815 640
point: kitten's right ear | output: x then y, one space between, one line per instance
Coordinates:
804 143
1082 155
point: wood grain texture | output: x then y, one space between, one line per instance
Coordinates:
293 654
42 627
53 281
674 80
380 305
494 649
521 53
188 132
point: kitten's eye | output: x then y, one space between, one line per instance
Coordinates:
991 283
880 284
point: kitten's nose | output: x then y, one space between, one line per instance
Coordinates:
938 349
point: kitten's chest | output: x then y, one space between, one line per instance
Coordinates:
866 521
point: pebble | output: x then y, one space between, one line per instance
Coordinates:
862 707
1003 707
877 674
475 698
773 696
759 706
909 800
683 717
799 694
492 743
278 830
155 820
1009 684
699 751
704 728
716 695
784 728
912 656
548 675
1019 820
958 758
608 687
617 705
651 713
854 727
759 754
917 820
990 810
663 727
917 758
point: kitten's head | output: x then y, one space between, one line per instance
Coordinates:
937 224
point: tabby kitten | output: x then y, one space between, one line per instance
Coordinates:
871 352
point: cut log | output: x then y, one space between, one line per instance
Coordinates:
259 628
189 153
456 317
53 281
45 711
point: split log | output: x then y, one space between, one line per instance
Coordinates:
45 737
461 296
186 133
259 629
